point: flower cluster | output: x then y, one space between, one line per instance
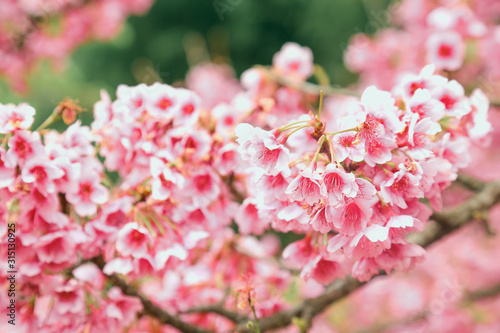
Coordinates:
457 37
363 184
25 37
148 193
167 219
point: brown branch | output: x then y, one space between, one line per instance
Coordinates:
448 221
492 291
237 195
469 182
218 309
149 307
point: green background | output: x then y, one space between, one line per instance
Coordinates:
240 32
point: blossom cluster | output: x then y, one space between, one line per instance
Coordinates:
459 37
355 184
27 35
167 219
150 190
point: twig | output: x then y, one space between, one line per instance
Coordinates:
448 222
218 309
469 182
482 294
149 307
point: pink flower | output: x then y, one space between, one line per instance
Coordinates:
203 188
13 118
56 248
86 193
369 243
299 253
400 187
162 257
424 80
228 159
294 60
121 307
133 240
400 225
338 184
187 109
351 217
401 257
118 265
425 106
320 223
195 144
419 133
78 138
377 138
452 95
7 173
162 101
381 105
379 151
166 180
70 172
42 173
69 298
132 98
262 149
272 186
23 145
480 126
446 50
215 83
324 269
248 220
364 268
227 118
346 146
91 274
306 186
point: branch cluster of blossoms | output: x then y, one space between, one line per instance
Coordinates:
27 32
460 37
360 179
435 296
176 170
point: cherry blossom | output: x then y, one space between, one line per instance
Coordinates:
294 60
87 193
177 195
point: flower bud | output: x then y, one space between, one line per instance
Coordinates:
69 110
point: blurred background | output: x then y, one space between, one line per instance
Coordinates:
177 34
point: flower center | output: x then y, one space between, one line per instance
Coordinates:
445 51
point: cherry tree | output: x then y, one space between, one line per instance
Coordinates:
165 214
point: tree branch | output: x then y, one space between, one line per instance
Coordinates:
218 309
469 182
149 307
448 221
